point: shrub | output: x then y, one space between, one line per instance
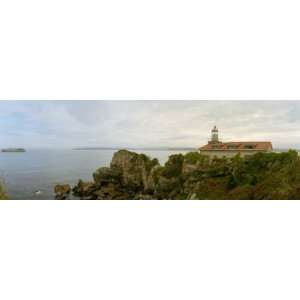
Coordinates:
193 157
173 166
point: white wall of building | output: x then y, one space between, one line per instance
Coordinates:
229 153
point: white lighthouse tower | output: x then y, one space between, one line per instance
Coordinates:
215 135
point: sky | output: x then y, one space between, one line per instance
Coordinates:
69 124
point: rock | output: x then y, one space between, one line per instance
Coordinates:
192 196
151 180
134 169
111 192
84 190
62 191
143 197
106 175
129 174
167 187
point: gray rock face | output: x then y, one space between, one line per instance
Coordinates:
135 169
151 180
130 176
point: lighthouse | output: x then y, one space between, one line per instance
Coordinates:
216 148
215 135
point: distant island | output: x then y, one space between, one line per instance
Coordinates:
13 150
139 148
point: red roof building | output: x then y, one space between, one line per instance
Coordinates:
218 148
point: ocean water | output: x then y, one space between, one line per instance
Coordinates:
40 170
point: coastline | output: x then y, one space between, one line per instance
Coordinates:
191 176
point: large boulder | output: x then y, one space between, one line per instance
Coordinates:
62 191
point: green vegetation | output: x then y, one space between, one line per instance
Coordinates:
173 166
3 194
193 157
260 176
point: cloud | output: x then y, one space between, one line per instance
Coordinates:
68 124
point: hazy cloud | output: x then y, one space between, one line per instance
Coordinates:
63 124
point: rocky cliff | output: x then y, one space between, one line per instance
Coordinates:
192 176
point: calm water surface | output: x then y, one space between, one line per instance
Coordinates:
40 170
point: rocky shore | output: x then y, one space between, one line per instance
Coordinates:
191 176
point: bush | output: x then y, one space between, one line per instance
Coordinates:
173 166
193 157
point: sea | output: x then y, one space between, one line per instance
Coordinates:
33 174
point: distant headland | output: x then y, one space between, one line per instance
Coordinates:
13 150
139 148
